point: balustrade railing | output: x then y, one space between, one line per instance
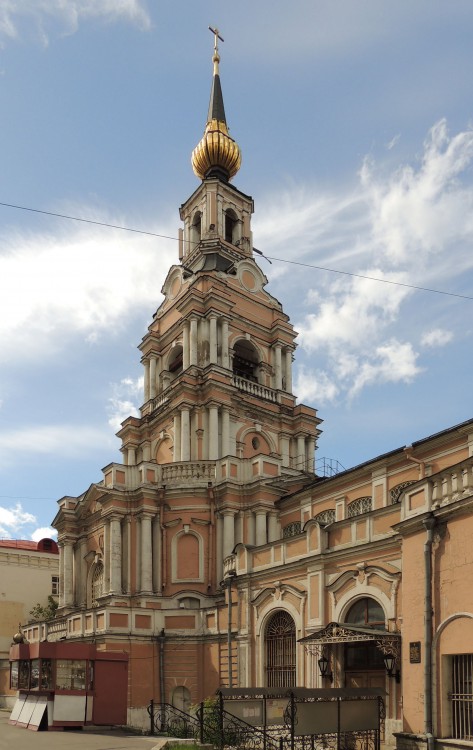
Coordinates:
188 471
452 484
255 389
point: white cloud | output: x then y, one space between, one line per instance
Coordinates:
17 15
413 225
436 337
58 440
44 532
125 400
78 283
314 386
391 363
13 519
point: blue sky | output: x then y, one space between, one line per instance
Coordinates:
354 121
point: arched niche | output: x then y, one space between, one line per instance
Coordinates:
187 556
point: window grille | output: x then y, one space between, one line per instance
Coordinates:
292 529
97 584
397 491
326 516
55 585
280 643
462 696
359 506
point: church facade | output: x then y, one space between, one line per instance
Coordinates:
214 556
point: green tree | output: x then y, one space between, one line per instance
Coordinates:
47 612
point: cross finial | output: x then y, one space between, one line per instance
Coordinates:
217 36
216 56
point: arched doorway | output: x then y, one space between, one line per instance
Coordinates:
280 650
181 698
363 661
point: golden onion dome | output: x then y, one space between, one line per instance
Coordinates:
216 155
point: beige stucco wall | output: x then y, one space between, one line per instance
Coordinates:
25 580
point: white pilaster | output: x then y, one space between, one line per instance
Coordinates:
225 431
213 339
68 551
261 537
310 454
277 367
115 556
193 342
288 369
185 434
152 377
213 433
228 532
185 345
131 456
300 461
177 438
273 527
146 555
146 380
225 357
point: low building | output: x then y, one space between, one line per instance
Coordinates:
29 573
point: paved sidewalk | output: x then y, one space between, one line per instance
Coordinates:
13 738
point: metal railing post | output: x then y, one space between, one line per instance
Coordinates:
151 716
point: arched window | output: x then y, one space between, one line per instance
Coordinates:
196 230
396 492
359 506
97 584
280 650
231 224
245 360
175 362
292 529
326 516
366 613
365 656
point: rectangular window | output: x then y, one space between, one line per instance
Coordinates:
46 674
24 675
55 585
70 674
34 677
462 697
14 675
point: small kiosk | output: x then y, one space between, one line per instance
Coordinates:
64 684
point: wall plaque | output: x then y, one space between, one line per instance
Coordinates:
414 652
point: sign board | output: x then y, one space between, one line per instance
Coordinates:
250 711
275 708
322 717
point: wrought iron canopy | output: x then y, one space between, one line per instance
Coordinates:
334 632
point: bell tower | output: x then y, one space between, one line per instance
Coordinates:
218 401
219 439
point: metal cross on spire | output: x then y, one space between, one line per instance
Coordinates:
217 36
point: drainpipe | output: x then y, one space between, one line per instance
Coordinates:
429 524
160 640
408 453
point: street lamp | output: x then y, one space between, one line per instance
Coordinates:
390 666
323 663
